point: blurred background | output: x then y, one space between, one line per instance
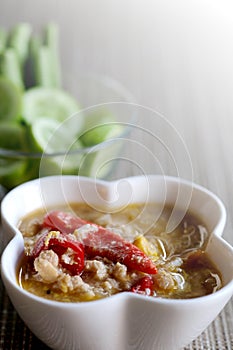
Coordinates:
176 57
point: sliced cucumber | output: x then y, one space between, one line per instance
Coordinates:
48 103
67 164
101 133
100 161
50 136
10 100
40 131
100 125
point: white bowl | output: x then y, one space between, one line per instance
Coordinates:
124 321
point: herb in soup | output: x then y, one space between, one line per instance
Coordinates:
78 253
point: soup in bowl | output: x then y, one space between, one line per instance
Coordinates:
93 264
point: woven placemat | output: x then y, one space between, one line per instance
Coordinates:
16 336
219 335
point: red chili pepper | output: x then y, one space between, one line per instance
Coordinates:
62 221
59 244
143 286
102 243
112 246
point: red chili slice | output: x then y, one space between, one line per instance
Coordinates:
109 245
102 243
62 221
59 244
143 286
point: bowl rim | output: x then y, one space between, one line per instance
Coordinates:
225 290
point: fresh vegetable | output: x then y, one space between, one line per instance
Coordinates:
13 172
3 39
62 221
112 246
101 242
11 69
12 136
101 133
31 88
52 43
19 41
99 126
10 100
60 244
40 133
49 103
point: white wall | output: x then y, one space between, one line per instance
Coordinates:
175 55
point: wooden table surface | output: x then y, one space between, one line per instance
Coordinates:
176 57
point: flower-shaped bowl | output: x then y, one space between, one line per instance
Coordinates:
124 321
